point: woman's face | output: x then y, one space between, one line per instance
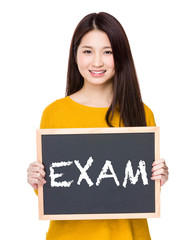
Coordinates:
95 59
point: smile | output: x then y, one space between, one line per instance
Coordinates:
97 72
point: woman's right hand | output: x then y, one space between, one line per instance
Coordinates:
36 174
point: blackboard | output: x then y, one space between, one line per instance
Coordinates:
98 173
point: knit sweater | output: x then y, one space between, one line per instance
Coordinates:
66 113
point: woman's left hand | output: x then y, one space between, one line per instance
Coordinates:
160 171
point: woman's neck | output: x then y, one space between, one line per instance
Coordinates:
94 96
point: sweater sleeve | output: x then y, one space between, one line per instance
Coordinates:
45 120
45 123
150 121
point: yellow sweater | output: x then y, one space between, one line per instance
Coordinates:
66 113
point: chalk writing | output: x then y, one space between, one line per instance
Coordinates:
129 176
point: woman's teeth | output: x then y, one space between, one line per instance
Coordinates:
98 72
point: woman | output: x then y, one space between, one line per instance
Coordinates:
102 91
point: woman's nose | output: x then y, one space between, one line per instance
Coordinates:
97 61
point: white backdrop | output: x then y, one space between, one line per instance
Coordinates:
34 45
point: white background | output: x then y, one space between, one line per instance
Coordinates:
34 46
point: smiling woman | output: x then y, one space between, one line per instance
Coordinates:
98 31
95 59
102 91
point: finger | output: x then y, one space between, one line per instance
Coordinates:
37 164
159 172
159 166
36 170
37 175
34 182
158 161
156 177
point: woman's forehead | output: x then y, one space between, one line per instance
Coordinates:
95 38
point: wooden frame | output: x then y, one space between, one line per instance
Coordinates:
154 130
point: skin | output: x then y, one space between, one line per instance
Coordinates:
96 65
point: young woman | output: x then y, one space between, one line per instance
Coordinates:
102 91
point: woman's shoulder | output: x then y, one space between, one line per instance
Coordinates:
147 109
57 104
58 109
150 121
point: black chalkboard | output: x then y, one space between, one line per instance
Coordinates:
98 175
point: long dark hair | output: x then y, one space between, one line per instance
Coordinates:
126 91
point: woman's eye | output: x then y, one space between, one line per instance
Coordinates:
108 52
87 51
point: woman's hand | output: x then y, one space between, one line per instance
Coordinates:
36 174
160 171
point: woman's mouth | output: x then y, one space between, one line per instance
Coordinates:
97 72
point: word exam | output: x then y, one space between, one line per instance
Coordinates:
104 173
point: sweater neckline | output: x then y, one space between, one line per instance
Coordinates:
85 106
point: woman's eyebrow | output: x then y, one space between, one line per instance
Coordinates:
92 47
107 47
86 47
